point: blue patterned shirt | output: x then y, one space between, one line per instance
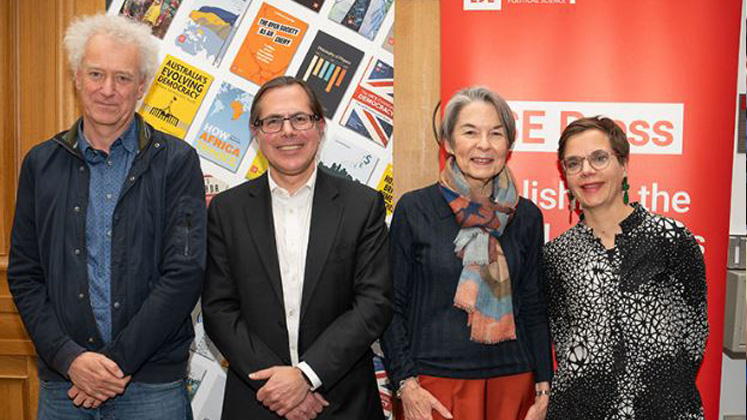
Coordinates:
108 173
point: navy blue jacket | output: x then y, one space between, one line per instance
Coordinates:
428 334
158 257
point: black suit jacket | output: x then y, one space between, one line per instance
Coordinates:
346 300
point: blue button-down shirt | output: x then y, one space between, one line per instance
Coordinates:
108 174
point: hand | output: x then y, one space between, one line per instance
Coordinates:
97 376
81 398
312 405
538 410
418 403
286 387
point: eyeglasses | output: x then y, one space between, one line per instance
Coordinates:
598 160
274 124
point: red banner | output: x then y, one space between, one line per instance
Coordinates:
665 70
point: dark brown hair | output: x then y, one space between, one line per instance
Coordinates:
283 81
615 134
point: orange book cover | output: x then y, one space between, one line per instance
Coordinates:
269 45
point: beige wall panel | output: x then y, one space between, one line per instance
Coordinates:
417 84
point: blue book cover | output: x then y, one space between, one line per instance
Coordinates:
224 135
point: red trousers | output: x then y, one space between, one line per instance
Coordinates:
501 398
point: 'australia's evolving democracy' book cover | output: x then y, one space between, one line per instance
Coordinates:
158 14
224 136
362 16
210 27
370 111
269 45
175 96
327 68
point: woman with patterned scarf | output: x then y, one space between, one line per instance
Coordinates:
469 339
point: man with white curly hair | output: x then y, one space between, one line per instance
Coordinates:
108 242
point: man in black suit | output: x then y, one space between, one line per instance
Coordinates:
297 281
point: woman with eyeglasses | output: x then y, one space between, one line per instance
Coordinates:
626 293
469 339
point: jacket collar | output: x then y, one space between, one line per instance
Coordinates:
326 213
145 132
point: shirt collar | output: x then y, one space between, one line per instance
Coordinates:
128 139
308 185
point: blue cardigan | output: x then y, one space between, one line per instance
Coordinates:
428 335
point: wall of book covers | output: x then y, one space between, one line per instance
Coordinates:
214 56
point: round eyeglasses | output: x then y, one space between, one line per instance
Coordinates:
598 160
274 124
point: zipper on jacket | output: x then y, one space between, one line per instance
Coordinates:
186 238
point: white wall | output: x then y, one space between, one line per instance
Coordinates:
733 370
738 194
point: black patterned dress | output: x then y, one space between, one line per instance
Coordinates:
629 324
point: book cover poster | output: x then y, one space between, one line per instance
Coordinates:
175 96
386 186
213 186
362 16
269 45
327 68
158 14
195 376
370 111
210 27
314 5
385 393
258 167
348 161
224 135
388 43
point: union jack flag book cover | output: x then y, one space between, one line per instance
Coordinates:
370 111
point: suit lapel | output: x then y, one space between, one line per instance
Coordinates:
258 215
326 213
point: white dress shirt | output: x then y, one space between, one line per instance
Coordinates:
291 215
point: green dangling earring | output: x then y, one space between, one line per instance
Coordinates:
625 188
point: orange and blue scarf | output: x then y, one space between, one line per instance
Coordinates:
484 289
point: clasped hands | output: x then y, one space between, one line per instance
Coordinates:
287 393
96 378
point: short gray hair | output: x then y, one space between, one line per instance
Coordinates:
472 94
120 29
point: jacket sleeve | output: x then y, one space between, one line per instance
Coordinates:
690 273
396 342
221 309
27 282
531 294
346 339
181 269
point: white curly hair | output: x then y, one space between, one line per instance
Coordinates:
119 28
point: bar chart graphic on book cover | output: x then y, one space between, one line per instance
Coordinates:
327 68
